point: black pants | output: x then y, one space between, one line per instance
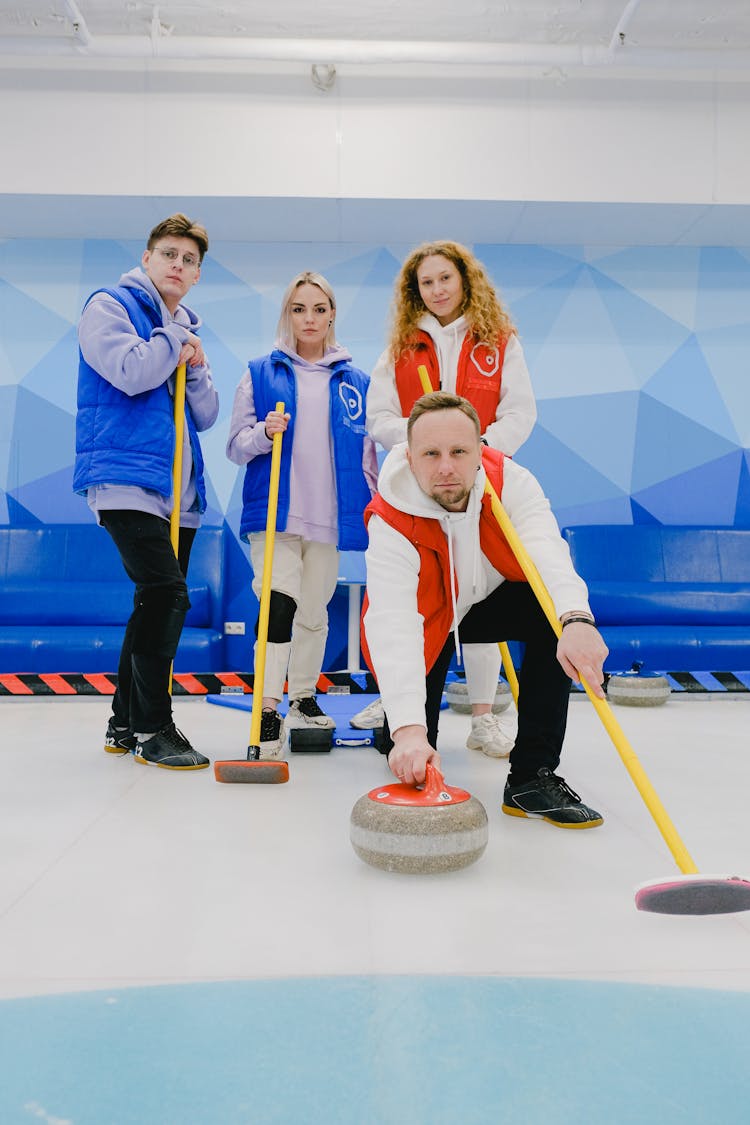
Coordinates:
512 612
142 701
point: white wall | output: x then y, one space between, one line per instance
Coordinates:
163 129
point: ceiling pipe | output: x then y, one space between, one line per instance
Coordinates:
374 52
80 29
617 42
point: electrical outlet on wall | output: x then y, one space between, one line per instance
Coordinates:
234 628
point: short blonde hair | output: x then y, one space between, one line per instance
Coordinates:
284 332
441 400
180 226
487 319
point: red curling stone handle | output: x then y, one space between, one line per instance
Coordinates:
433 794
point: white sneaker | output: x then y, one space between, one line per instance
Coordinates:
305 712
271 736
370 717
491 735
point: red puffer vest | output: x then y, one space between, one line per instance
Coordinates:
433 589
478 375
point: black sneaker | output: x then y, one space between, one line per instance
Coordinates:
169 749
118 740
304 712
271 735
548 797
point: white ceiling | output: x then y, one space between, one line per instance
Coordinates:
675 37
715 31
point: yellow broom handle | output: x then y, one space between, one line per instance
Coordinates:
510 672
265 591
179 436
603 710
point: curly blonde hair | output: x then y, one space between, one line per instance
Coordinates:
486 316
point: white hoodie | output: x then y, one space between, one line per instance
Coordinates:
516 410
392 623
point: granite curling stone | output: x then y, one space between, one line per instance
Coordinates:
457 695
637 688
419 831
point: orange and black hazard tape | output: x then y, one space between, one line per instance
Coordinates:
214 683
183 683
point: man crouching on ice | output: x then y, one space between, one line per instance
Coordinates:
440 573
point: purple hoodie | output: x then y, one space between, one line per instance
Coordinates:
110 345
313 510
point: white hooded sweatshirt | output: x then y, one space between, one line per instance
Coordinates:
393 624
516 410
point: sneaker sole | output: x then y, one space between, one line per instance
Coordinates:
166 766
555 823
487 753
121 751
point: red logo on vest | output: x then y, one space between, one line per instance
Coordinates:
485 359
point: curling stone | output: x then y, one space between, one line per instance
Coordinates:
419 831
637 688
457 695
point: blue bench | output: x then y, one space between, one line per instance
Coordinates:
677 598
65 600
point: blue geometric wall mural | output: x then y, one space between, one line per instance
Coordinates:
639 356
639 359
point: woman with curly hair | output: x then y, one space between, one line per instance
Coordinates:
448 317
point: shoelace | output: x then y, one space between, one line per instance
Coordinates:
176 737
559 785
269 724
308 705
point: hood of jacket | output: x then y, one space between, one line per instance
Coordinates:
444 334
137 279
336 354
469 570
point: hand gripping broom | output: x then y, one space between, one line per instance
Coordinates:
690 893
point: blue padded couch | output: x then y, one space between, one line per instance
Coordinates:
677 598
65 599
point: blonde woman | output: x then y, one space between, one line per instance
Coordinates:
328 475
448 317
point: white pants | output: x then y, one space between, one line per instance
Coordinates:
308 573
482 665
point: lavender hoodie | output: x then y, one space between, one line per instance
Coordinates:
313 510
110 344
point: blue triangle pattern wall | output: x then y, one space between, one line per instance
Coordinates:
639 358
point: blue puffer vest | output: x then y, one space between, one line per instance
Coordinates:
124 439
274 381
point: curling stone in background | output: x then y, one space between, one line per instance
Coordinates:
457 695
637 688
419 831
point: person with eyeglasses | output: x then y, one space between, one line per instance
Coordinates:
131 340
